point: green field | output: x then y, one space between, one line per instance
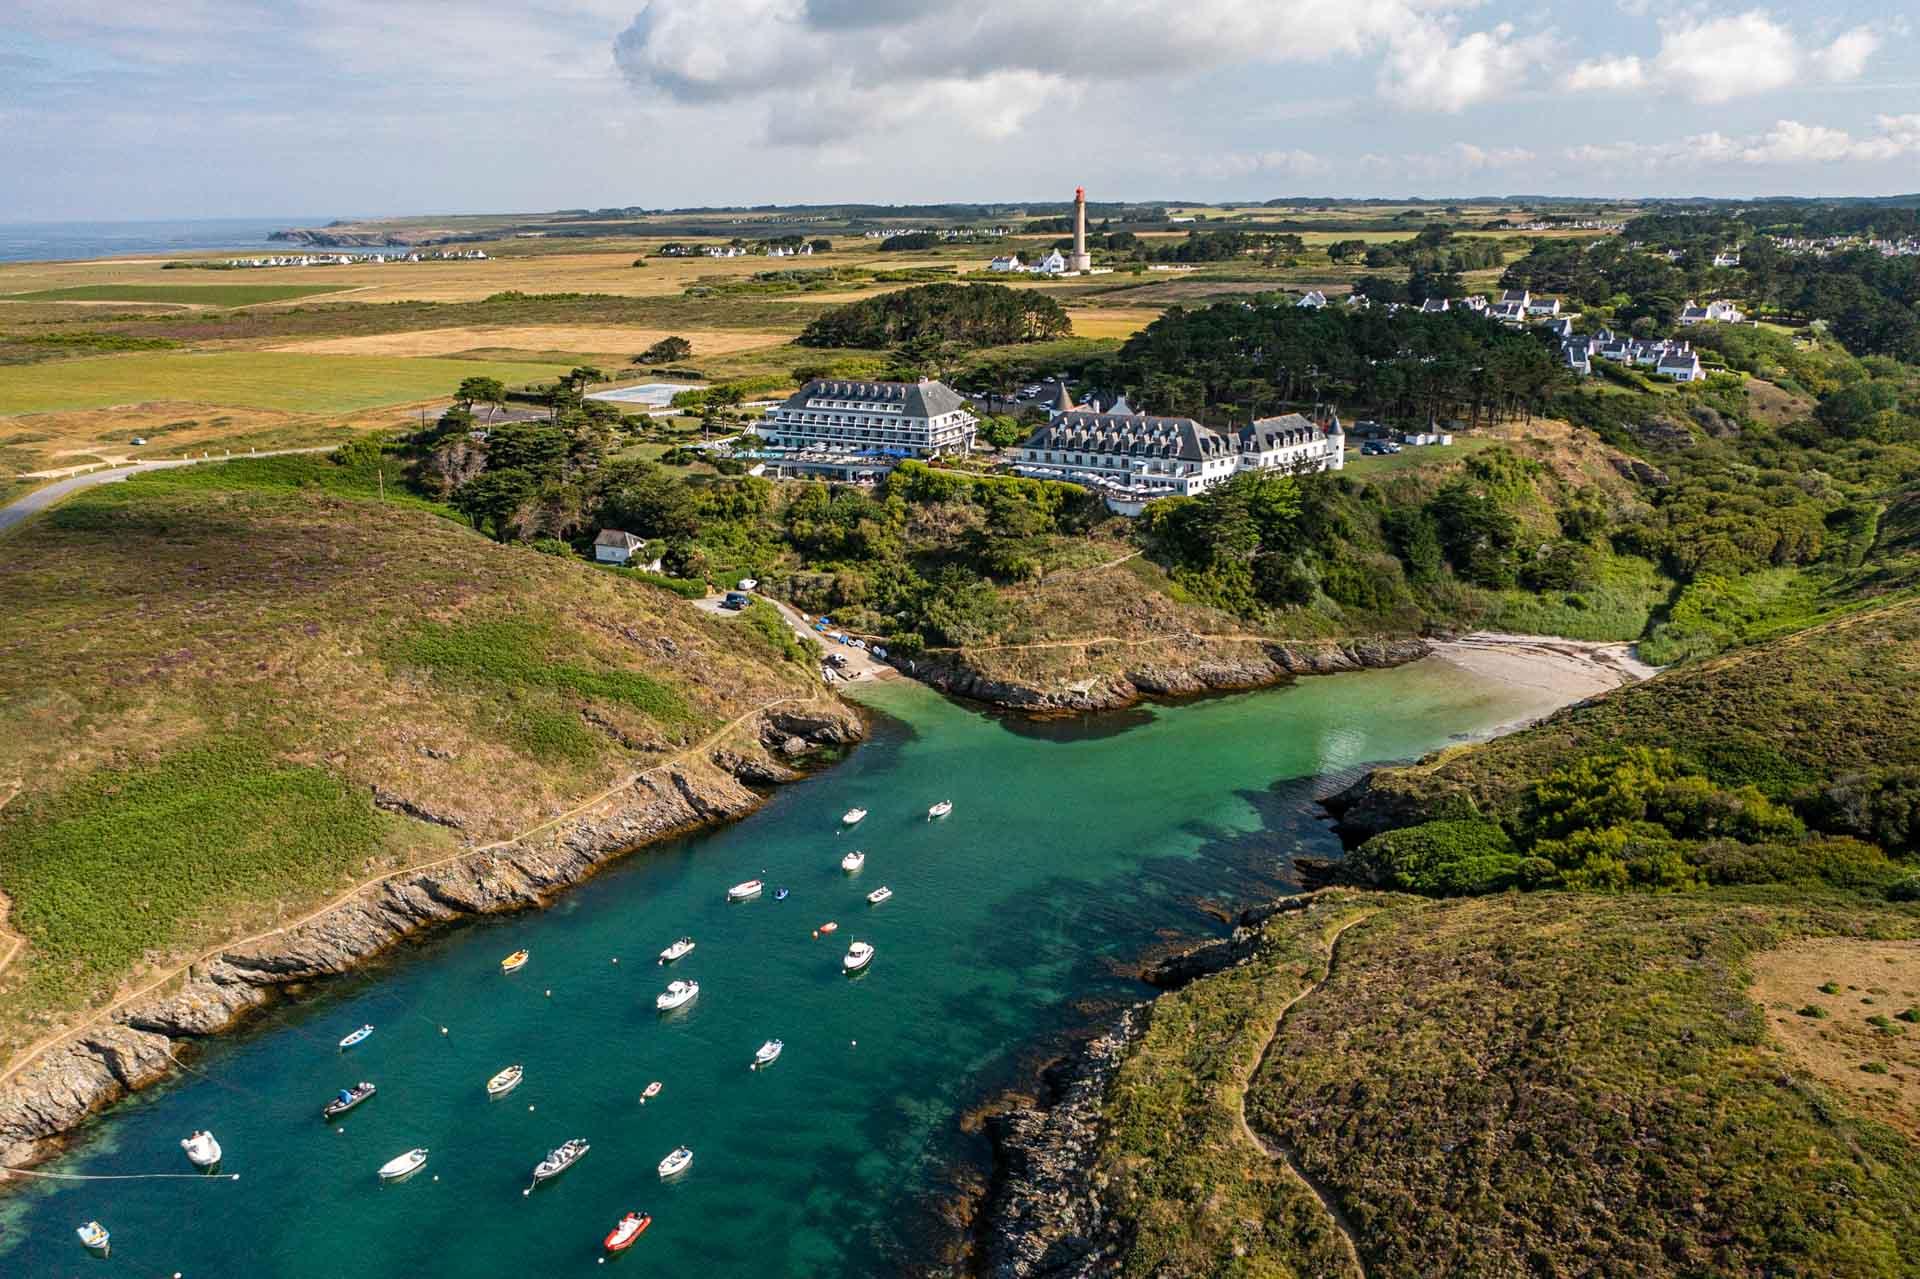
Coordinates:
248 379
200 294
1413 455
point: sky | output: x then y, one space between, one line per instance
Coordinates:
111 109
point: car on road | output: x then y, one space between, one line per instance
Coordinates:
735 600
139 440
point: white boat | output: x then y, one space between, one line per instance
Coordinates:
679 949
202 1150
853 861
559 1159
651 1091
506 1081
676 1163
858 956
768 1053
356 1037
740 892
94 1235
879 895
404 1165
940 809
853 817
677 995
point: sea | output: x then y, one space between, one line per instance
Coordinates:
65 241
1016 923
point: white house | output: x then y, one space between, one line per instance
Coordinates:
1578 361
1717 311
1508 312
1433 306
1133 458
1726 259
1011 262
1517 297
909 419
1681 366
1474 302
1541 308
1313 299
614 546
1055 263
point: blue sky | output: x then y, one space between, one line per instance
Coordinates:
191 108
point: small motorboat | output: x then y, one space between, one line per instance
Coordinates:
677 1162
651 1091
401 1166
879 894
940 809
767 1054
740 892
779 894
853 861
826 928
506 1081
94 1236
621 1237
202 1150
357 1036
346 1099
514 963
678 994
853 817
680 948
559 1159
858 956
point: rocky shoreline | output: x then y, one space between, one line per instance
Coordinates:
1044 1217
57 1092
1210 670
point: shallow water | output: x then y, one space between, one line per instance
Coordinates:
1073 845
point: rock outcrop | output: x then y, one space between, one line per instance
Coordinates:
82 1075
1043 1218
1206 669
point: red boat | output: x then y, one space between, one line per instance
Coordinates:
627 1231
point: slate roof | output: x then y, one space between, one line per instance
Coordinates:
917 399
1144 435
619 539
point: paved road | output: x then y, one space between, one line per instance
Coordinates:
40 499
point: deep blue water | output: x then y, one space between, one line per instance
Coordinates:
57 241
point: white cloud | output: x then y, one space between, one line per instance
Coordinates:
1787 143
1846 58
1716 60
1607 74
1427 69
1727 58
981 65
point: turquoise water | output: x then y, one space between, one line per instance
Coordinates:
1073 846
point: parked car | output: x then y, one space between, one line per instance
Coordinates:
735 600
138 440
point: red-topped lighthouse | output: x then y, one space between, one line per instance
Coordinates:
1080 260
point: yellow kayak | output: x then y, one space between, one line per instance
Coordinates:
514 963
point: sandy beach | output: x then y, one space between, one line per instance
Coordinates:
1559 671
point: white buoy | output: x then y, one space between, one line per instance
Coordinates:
603 1260
529 1107
436 1176
549 994
525 1193
443 1030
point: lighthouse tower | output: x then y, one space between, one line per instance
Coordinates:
1080 260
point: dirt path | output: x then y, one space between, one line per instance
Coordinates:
27 1055
1282 1152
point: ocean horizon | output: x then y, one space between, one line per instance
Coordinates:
70 241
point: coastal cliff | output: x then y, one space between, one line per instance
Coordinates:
137 1048
1102 678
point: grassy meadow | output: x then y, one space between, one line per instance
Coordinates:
210 669
186 294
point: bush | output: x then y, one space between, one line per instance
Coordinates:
685 587
553 546
1444 858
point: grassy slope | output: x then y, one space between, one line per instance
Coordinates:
1546 1084
203 673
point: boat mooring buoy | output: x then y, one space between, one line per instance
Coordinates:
549 994
443 1030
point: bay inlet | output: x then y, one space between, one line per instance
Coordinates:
1073 846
